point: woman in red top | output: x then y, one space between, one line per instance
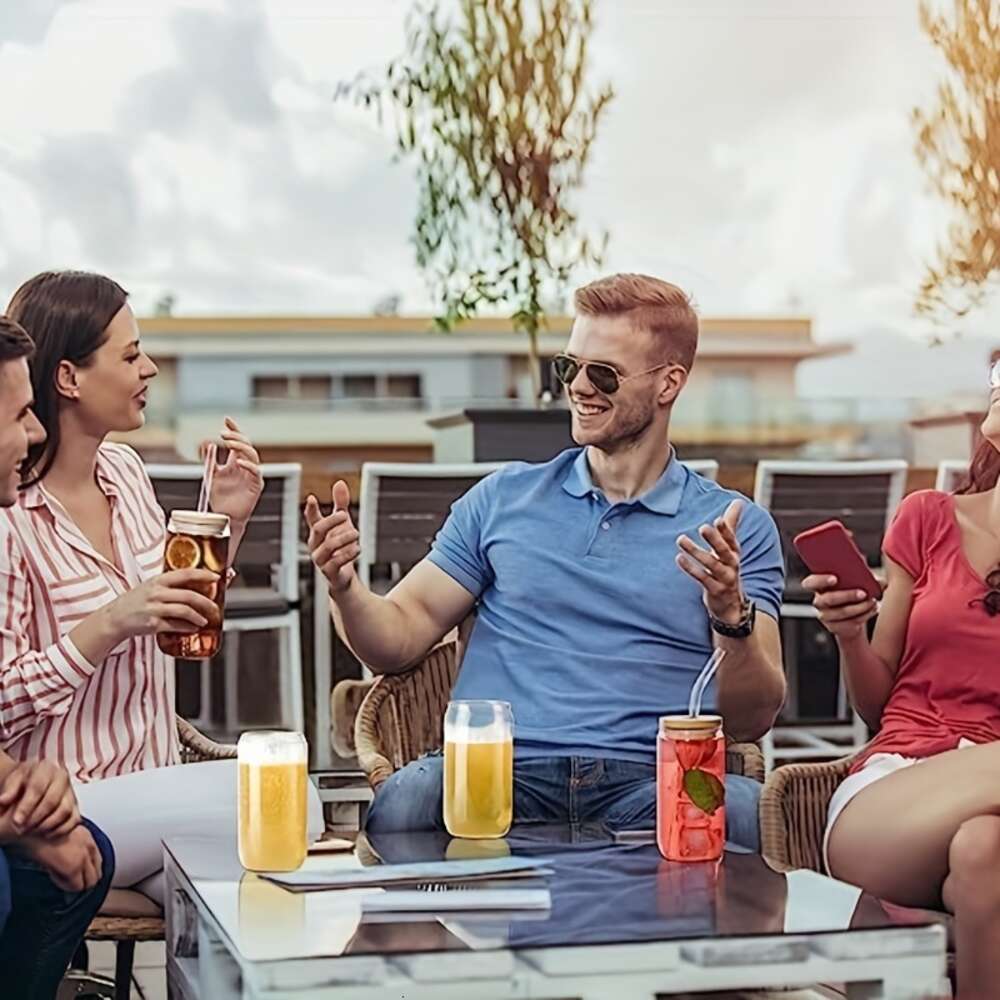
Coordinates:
929 683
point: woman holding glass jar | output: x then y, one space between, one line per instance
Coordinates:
82 680
917 821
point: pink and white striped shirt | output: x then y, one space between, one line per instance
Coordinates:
97 720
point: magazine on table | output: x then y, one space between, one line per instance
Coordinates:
466 875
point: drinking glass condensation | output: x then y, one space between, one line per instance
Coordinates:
478 769
690 788
198 541
273 834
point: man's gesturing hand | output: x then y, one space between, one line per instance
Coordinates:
42 799
333 540
717 568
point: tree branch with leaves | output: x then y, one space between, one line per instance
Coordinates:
490 102
958 143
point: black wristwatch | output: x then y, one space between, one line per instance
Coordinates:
742 628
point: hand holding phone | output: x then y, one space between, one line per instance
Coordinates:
829 550
846 591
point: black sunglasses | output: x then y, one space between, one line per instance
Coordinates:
991 602
604 378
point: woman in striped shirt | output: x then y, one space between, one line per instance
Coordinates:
82 680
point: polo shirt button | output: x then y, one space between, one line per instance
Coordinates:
605 525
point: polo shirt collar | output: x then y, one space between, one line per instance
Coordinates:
663 497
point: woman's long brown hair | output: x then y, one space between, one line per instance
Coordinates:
983 470
66 314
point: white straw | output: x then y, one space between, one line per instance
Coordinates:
206 479
703 680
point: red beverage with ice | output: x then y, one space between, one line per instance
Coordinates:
690 789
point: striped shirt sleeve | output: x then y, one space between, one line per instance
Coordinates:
34 683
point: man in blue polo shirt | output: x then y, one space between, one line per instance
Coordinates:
601 579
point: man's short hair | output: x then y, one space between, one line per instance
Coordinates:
657 306
14 342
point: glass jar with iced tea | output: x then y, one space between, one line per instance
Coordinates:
198 541
273 803
478 769
690 788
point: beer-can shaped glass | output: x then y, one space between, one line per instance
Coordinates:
198 541
478 769
273 802
690 788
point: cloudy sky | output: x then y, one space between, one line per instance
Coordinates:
758 152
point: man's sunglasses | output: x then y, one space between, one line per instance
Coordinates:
604 378
991 602
995 374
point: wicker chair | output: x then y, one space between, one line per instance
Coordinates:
400 719
793 808
128 916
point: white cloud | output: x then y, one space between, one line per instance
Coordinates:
757 151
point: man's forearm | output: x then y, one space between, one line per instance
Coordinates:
750 685
375 628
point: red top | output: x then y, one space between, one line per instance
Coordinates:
947 686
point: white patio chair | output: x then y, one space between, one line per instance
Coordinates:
265 595
800 495
707 467
950 474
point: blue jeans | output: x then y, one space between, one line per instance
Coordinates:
619 794
41 925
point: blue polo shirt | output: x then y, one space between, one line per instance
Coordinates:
586 624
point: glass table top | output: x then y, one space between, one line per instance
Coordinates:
601 892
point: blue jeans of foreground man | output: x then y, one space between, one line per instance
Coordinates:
41 925
620 794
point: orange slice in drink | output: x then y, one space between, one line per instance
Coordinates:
183 553
211 562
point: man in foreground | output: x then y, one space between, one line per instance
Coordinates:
603 579
55 868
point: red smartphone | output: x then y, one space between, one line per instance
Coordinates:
829 549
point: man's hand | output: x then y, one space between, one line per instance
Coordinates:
717 568
42 799
73 861
333 540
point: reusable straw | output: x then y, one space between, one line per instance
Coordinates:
703 680
206 479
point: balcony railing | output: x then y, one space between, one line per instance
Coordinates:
752 413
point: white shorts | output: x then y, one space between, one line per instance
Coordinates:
877 766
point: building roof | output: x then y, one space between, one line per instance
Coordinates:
729 337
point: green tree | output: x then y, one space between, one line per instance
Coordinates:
958 143
490 102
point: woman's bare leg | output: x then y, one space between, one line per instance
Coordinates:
931 834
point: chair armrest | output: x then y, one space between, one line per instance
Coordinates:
745 759
401 716
196 747
793 809
345 703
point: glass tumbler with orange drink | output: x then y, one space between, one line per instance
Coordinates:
690 788
478 769
198 541
273 803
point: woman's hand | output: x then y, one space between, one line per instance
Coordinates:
178 601
844 613
238 484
